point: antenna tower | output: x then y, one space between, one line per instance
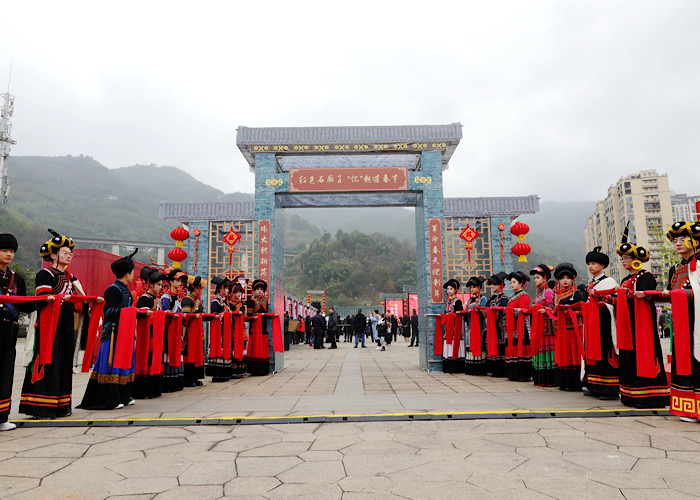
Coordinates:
6 140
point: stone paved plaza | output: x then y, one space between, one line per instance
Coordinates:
652 456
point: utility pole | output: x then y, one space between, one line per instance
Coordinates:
6 140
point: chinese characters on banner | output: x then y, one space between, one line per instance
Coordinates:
435 246
394 307
348 179
264 249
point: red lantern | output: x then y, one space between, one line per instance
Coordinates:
177 254
521 250
519 229
179 234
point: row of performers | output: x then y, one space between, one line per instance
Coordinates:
141 350
604 339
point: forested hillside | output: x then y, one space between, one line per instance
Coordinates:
353 268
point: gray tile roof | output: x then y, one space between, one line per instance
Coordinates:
186 212
498 206
248 137
512 206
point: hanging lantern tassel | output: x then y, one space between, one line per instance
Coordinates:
501 228
196 233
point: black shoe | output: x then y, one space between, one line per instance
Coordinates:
356 347
608 397
590 394
364 347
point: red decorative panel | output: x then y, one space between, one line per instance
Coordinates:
435 246
306 180
264 250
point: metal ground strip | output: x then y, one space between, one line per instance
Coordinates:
373 417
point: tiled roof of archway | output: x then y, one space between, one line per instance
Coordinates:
411 138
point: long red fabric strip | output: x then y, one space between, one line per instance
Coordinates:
158 322
124 349
215 348
449 327
577 348
258 337
239 331
644 330
457 339
624 326
681 332
592 330
536 324
175 341
226 329
92 346
438 334
521 335
195 341
561 337
48 322
475 333
510 329
143 334
491 333
277 340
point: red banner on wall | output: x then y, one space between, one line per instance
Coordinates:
435 255
348 179
264 250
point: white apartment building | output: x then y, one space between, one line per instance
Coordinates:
644 200
683 207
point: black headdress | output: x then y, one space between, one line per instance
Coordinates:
52 245
626 248
451 282
123 266
596 255
8 242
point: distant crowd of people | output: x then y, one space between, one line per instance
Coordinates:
382 328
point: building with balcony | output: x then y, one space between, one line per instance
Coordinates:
642 199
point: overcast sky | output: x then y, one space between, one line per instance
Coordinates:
556 98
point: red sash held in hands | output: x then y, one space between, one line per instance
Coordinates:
643 336
215 348
158 323
143 333
92 346
239 331
537 329
491 333
457 338
124 345
475 333
624 326
175 341
195 345
438 334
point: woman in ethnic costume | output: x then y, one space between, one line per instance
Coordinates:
173 376
685 389
218 368
11 284
237 304
259 344
601 378
636 391
566 339
110 387
147 386
47 389
519 368
496 365
453 304
192 304
475 365
544 368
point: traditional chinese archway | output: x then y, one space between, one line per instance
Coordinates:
352 167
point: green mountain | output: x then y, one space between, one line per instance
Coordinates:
353 268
